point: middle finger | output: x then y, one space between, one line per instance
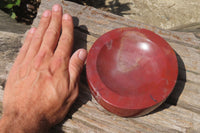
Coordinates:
52 34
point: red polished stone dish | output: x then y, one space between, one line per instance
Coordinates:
131 71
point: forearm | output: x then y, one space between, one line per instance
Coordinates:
14 124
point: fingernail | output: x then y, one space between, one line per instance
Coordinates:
46 13
32 30
82 55
66 17
56 8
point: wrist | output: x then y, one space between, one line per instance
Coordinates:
7 125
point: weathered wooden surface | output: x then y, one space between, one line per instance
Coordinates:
9 25
9 46
180 113
11 33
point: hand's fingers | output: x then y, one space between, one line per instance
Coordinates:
76 64
65 44
38 36
24 48
53 31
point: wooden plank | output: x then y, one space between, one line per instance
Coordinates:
186 95
9 46
172 119
189 55
88 116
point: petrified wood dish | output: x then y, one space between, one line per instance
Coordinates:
131 71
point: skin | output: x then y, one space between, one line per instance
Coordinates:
43 82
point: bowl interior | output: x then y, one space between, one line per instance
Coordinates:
134 65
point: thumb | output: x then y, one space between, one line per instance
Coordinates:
76 64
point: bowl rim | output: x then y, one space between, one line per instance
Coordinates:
101 92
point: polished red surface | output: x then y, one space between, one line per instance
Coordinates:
131 71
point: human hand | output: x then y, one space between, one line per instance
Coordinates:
43 82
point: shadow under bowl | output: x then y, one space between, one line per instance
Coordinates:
131 71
